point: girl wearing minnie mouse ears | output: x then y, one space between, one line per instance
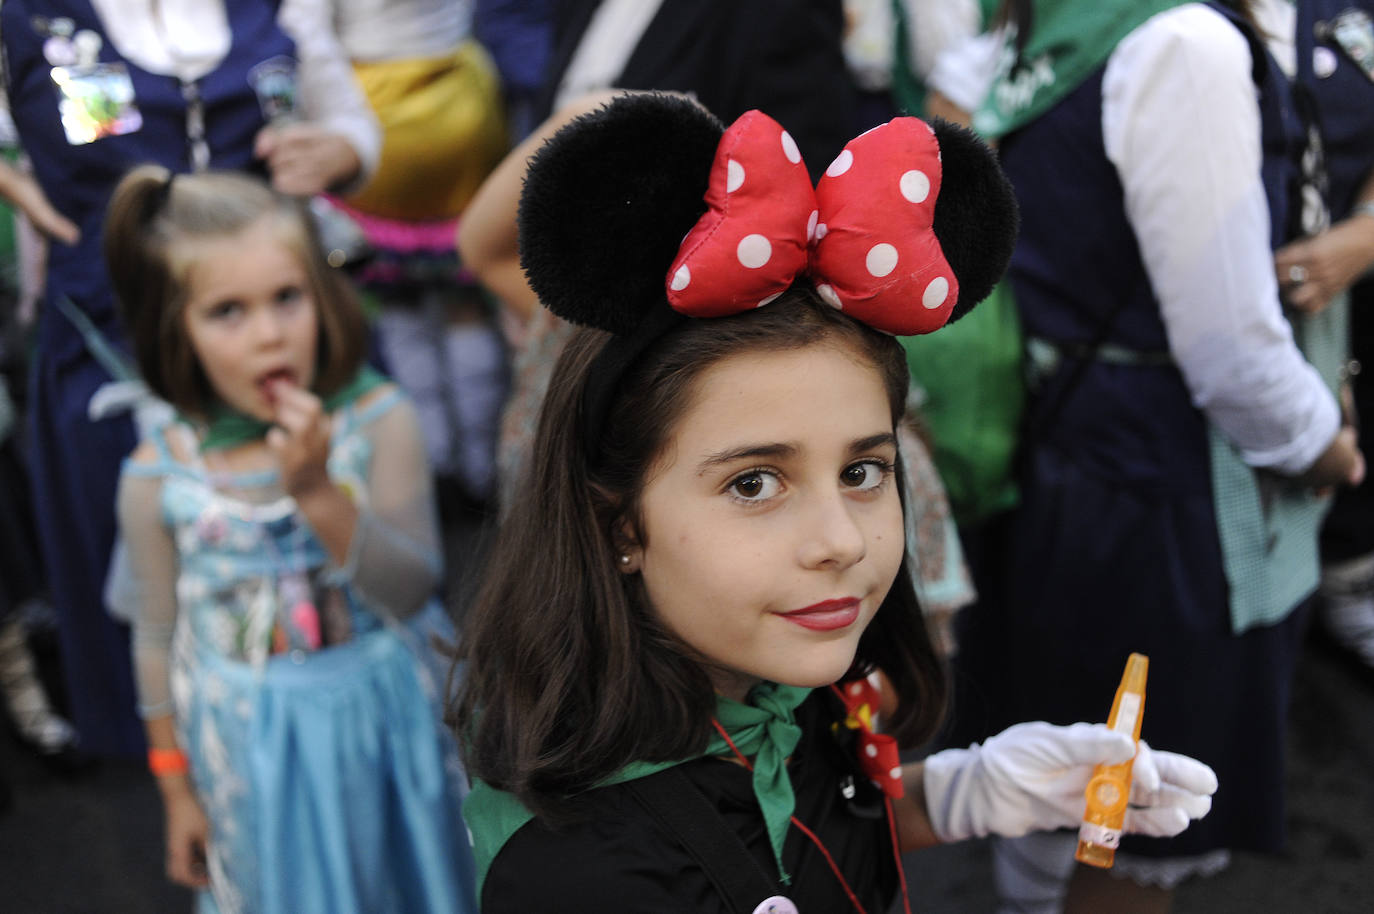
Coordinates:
668 700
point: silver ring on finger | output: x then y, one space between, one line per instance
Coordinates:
1297 274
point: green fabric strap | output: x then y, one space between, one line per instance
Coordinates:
1268 526
908 91
228 427
1069 40
764 730
971 384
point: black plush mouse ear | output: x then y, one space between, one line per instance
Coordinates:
976 217
606 203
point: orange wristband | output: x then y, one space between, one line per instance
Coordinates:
168 761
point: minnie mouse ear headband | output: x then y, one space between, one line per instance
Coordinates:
649 211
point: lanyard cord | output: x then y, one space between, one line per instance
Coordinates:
834 868
897 854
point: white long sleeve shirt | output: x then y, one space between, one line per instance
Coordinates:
1181 124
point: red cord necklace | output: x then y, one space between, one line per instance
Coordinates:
834 868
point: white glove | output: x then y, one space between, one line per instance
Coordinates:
1032 777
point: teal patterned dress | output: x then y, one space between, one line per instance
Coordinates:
311 717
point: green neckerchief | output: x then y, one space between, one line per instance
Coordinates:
765 730
228 427
1069 40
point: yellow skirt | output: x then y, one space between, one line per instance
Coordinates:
443 131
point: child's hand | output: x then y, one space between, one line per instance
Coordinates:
300 439
187 833
1033 776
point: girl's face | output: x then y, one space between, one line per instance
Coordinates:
250 316
771 525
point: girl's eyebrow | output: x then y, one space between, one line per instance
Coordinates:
872 442
784 450
769 451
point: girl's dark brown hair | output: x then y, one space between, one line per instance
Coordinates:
151 228
567 674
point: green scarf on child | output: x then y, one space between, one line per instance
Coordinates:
764 729
1069 39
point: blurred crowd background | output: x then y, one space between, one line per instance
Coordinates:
408 124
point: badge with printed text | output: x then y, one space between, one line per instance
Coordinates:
274 82
96 101
1353 32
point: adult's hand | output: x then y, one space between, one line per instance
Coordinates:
1341 464
21 190
305 159
1311 271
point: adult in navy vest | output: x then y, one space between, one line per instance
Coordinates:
1176 433
1335 66
96 87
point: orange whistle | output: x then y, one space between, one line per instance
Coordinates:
1110 787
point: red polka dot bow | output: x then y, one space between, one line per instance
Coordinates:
864 234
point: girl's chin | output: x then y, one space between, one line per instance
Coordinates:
736 685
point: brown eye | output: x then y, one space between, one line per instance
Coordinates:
756 485
749 486
865 475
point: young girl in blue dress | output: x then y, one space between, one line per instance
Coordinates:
284 549
668 701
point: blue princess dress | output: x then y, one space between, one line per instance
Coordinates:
307 696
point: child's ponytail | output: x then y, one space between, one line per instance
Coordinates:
135 245
135 255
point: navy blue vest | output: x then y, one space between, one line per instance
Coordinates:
1343 100
78 179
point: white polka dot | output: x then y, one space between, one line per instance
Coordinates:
811 225
789 148
769 300
841 164
828 296
915 186
734 176
871 751
753 251
821 230
935 293
681 278
856 689
895 774
881 260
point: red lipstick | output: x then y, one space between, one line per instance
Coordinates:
826 616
